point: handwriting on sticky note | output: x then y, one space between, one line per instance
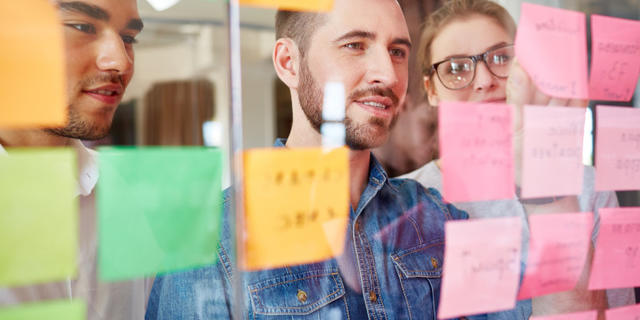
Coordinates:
624 313
557 252
480 256
39 212
551 45
587 315
616 261
552 151
617 148
475 144
294 5
296 205
31 27
55 310
615 63
159 209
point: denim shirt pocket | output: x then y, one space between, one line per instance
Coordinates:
419 270
314 294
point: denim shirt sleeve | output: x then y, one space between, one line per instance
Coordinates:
203 293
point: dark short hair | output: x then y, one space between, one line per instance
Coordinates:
297 26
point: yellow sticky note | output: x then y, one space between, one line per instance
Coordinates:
293 5
38 216
54 310
32 86
296 206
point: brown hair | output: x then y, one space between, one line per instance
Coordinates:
298 26
459 9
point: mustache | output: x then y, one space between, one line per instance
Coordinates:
103 78
375 91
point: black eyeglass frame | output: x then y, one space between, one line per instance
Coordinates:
479 57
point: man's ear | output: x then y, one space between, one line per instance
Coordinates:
429 87
286 60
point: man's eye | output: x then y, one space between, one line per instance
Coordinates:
83 27
400 53
129 39
354 45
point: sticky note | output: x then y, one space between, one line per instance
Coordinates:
587 315
293 5
615 61
38 216
296 205
33 85
616 261
159 209
552 151
476 151
617 148
551 45
624 313
558 250
55 310
481 256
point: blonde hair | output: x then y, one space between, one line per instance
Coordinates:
459 9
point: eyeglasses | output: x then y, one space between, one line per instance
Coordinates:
458 72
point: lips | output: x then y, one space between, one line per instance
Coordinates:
109 94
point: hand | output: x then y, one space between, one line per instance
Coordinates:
522 91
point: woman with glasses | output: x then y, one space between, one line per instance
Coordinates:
467 54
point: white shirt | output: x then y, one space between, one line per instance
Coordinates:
113 301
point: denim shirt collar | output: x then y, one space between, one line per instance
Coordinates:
377 178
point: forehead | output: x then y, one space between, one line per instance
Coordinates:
382 17
468 36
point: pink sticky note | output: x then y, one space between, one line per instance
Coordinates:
587 315
615 61
624 313
552 151
616 262
617 148
481 266
475 145
557 252
551 45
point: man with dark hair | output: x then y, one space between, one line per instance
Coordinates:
392 262
99 37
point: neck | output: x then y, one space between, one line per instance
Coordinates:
32 138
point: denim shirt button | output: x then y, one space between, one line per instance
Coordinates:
372 296
434 263
302 296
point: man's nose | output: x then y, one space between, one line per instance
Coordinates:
381 69
113 55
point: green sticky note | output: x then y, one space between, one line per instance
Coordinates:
38 216
55 310
159 209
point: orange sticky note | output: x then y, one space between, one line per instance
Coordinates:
617 148
551 44
615 62
616 262
552 151
32 87
624 313
557 252
293 5
296 205
587 315
475 146
481 266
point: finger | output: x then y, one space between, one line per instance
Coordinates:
580 103
520 89
559 102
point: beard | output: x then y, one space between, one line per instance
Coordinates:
359 136
90 127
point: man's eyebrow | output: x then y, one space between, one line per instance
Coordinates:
86 9
135 24
402 41
356 34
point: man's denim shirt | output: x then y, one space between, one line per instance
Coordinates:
391 267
